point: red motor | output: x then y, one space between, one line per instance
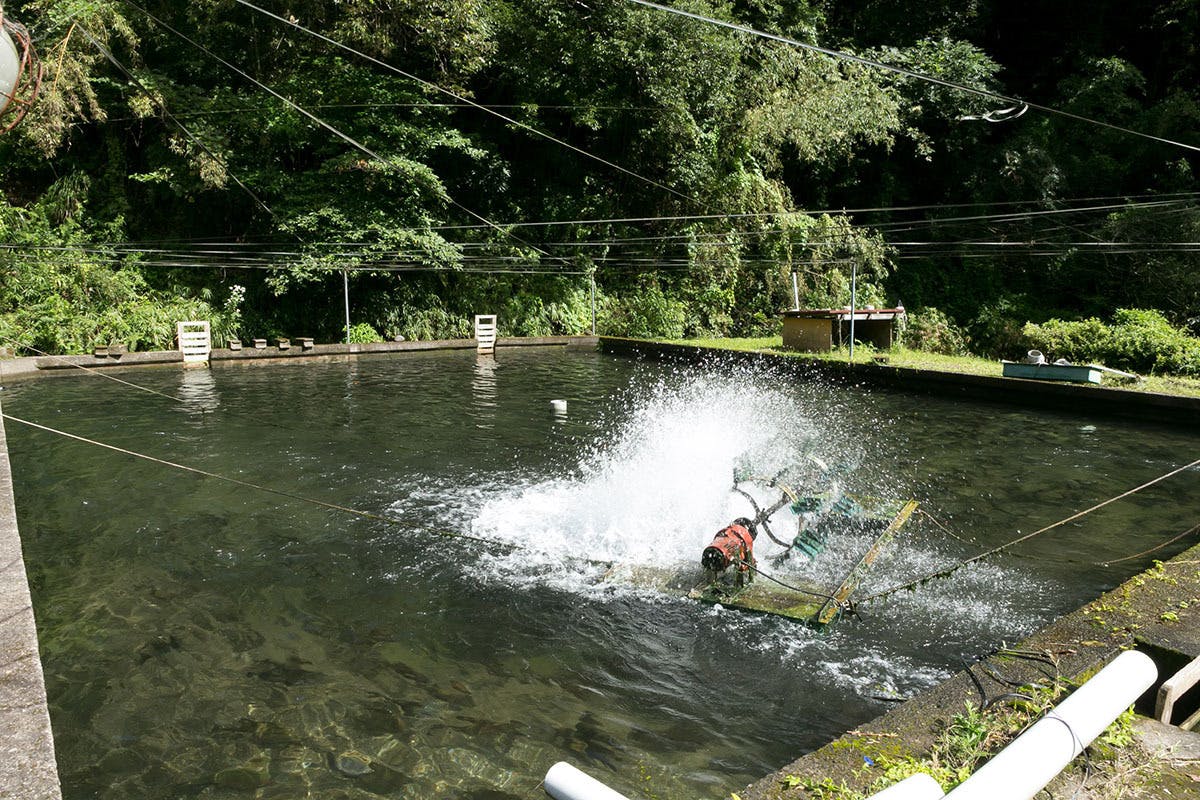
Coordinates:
732 546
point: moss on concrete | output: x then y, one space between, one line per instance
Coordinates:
1157 611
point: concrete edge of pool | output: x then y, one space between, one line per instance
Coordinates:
40 366
1142 406
30 770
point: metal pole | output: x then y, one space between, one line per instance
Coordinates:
592 275
853 302
346 289
795 293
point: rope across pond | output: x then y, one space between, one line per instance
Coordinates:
1001 548
259 487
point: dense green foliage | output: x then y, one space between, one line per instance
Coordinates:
678 161
1139 340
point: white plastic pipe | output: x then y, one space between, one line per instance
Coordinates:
10 69
1032 760
914 787
564 782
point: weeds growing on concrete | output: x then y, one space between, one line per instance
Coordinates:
974 735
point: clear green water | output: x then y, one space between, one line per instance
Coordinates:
207 640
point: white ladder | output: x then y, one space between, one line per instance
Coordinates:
195 340
485 333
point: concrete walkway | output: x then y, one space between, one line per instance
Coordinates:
27 766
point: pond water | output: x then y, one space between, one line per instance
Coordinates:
208 639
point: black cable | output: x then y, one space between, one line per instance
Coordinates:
911 74
293 23
335 131
983 695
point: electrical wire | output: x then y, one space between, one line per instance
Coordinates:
836 211
1164 202
912 74
462 99
722 238
217 112
1001 548
327 126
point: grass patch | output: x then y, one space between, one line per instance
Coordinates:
919 359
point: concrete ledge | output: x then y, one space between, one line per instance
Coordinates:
382 348
28 769
274 353
97 362
17 368
1141 406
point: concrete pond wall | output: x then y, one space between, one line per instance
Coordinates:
1122 403
1155 612
27 766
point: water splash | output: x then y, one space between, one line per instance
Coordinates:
656 489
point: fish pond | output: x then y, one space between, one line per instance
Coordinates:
205 637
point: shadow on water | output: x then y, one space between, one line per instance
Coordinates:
202 639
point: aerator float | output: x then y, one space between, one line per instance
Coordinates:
728 567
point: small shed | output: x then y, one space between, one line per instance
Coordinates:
820 330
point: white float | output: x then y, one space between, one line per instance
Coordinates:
485 333
10 69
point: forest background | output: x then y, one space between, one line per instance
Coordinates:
224 160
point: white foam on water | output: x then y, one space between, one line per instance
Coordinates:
656 491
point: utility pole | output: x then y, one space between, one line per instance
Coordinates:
592 275
346 290
853 302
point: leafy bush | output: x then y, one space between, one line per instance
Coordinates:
932 331
647 314
1075 340
363 333
997 328
429 323
1138 339
550 313
1147 338
67 304
71 294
